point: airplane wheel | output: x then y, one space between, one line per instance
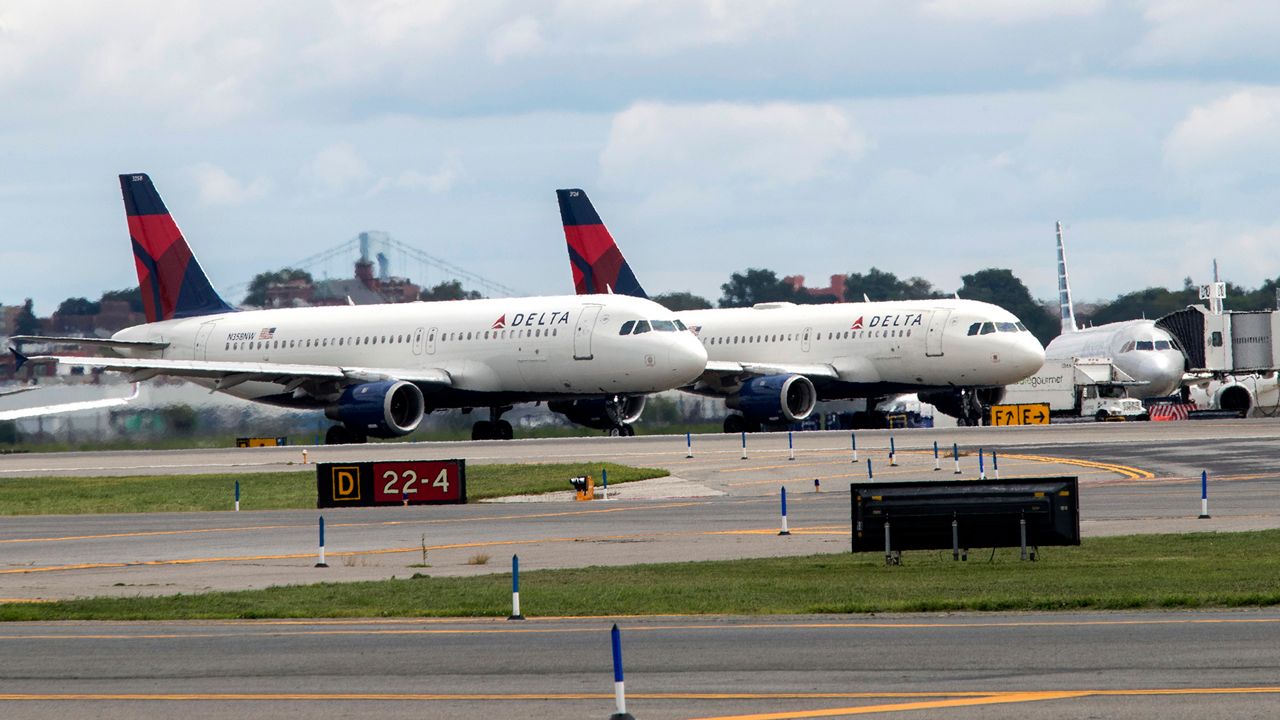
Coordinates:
735 424
1101 416
336 435
504 431
627 431
483 430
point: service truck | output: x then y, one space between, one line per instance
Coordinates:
1080 387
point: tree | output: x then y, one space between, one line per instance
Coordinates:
450 290
79 306
677 301
133 296
1151 303
879 285
1001 287
257 296
26 322
756 286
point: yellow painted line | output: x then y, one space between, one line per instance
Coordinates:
1130 472
997 699
21 601
381 523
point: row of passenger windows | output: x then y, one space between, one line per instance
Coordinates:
1148 345
635 327
791 337
388 339
987 328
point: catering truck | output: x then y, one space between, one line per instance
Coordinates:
1080 388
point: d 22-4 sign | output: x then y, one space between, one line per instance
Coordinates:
421 482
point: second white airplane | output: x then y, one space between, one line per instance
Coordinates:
774 361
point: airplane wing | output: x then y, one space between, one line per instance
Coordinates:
98 342
229 374
67 407
15 391
718 369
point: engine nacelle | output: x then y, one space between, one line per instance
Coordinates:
386 409
775 397
1236 398
603 413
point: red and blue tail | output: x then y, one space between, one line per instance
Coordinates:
598 265
172 283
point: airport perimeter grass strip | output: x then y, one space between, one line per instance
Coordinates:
1133 572
264 491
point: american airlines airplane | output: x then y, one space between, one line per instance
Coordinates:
377 369
1143 351
774 361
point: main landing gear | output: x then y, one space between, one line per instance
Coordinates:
734 424
343 435
623 430
495 428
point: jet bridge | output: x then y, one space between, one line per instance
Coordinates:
1222 341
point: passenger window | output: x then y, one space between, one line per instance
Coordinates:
642 326
664 326
626 327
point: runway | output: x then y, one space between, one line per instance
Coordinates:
1167 665
1135 478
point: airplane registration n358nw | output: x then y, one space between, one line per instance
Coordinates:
377 369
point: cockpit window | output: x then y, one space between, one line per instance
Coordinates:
974 328
1145 345
664 326
1162 345
642 326
987 328
1127 347
1020 326
681 325
626 327
1007 327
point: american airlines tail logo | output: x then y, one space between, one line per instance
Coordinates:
500 323
857 324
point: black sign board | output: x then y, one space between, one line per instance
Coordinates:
986 513
391 482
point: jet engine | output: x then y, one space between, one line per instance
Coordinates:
386 409
784 398
602 414
1236 398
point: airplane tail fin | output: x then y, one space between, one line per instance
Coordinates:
1065 306
598 265
172 282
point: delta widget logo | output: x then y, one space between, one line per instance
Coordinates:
857 324
500 323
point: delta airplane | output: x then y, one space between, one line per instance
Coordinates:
774 361
1144 352
377 369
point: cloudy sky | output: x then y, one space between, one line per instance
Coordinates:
926 138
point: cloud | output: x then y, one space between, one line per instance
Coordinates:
1009 12
440 181
517 38
1186 32
1228 137
763 146
217 187
337 168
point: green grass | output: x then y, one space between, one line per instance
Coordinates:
1151 571
263 491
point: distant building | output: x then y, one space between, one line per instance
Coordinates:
835 290
364 289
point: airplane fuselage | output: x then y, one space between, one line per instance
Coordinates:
1141 350
494 351
876 348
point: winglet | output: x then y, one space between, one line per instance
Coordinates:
597 263
18 358
1066 309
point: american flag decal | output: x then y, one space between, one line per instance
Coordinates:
267 333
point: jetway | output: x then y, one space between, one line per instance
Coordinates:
1222 341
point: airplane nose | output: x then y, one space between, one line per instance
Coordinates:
687 357
1027 356
1164 370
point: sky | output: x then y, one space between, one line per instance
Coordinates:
931 138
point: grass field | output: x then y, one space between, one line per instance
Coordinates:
263 491
1151 571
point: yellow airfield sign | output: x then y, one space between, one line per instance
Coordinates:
1024 414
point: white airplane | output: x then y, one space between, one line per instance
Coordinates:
774 361
377 369
1143 351
44 410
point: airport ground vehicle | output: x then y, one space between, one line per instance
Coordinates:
1080 387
